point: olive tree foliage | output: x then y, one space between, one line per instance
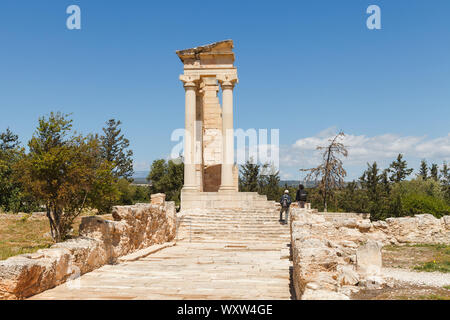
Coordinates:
330 173
63 171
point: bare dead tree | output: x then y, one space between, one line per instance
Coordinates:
330 172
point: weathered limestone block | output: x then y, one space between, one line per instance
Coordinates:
158 199
86 254
19 276
323 295
347 276
364 225
368 258
445 221
424 228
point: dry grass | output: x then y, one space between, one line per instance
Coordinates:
21 234
404 291
18 236
420 257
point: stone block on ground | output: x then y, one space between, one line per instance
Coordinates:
368 258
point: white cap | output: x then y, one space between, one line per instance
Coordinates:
286 191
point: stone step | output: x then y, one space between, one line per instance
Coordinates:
233 216
207 239
236 234
244 221
252 228
218 228
242 235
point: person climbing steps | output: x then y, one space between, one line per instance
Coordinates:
285 202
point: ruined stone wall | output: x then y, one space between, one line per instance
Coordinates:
333 258
100 242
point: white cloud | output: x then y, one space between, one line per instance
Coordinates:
363 149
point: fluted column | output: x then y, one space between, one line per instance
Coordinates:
189 139
227 136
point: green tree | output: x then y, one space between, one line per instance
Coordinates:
12 196
114 148
167 177
370 180
420 196
434 172
385 182
249 179
141 194
270 182
399 169
445 181
423 170
62 171
126 192
374 183
9 140
352 199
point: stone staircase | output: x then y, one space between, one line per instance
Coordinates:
259 224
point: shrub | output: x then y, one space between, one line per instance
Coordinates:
418 204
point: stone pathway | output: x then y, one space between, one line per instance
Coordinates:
223 255
189 270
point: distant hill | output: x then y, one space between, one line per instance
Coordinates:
140 177
140 174
140 181
295 183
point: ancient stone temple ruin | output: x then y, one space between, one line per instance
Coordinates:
210 175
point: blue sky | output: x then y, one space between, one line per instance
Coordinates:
308 68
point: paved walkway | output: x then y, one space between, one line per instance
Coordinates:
198 270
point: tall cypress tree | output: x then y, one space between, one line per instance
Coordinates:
423 170
249 176
399 169
114 148
372 181
445 181
434 172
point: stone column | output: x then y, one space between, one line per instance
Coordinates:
189 139
227 136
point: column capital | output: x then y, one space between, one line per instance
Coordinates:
227 81
190 81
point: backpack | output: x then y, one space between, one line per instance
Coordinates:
303 195
285 202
